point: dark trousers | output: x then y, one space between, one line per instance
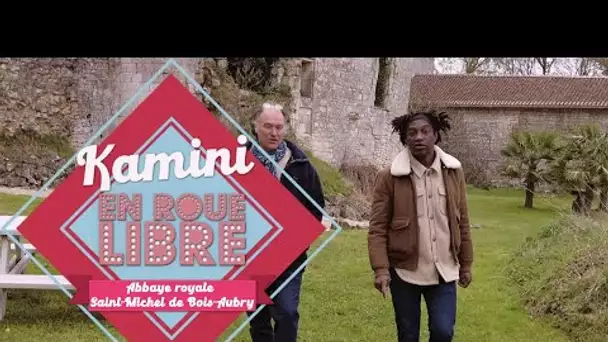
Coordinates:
284 312
441 306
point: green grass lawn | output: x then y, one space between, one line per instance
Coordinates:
339 302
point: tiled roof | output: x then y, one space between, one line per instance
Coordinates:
509 91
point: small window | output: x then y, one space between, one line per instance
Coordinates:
306 117
307 78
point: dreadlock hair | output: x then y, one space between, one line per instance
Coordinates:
440 121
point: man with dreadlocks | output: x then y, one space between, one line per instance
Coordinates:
419 235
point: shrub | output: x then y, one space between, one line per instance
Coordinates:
563 275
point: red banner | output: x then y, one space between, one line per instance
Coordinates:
171 295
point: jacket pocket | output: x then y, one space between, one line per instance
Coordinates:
400 223
401 236
420 202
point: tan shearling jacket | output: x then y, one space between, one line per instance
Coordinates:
393 228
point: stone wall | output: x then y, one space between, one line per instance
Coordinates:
338 119
45 100
61 102
51 107
478 134
123 81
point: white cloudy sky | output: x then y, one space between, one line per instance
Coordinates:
562 66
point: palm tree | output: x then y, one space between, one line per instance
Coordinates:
528 155
599 165
582 167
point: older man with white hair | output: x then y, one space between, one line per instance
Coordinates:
270 126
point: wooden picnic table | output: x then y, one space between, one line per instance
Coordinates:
13 262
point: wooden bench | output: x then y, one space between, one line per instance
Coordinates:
13 266
28 246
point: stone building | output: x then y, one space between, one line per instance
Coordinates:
486 109
72 97
48 103
343 106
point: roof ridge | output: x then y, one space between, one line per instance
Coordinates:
549 91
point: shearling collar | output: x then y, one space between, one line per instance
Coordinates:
401 164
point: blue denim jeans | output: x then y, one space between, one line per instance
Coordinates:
284 312
441 306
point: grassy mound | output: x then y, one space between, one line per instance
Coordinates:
563 275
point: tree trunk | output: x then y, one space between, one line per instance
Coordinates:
588 196
529 203
604 199
577 203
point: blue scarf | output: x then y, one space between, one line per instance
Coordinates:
277 155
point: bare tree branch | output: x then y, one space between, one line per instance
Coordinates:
516 66
466 65
473 65
584 67
524 66
545 64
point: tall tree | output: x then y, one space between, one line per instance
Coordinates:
583 67
474 65
545 64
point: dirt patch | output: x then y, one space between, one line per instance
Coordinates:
354 206
361 176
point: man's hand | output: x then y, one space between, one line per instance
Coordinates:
381 284
465 279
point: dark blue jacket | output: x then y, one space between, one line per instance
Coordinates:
302 172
